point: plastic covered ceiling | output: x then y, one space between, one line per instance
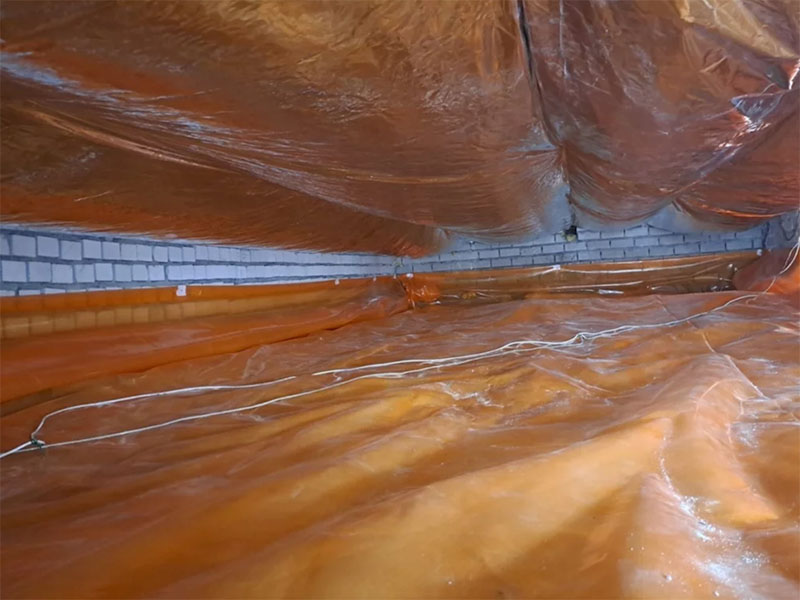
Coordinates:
392 126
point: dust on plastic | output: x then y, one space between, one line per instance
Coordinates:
560 447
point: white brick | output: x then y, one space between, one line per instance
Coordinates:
575 246
40 272
597 244
180 272
670 239
552 248
612 253
14 270
635 252
62 274
70 250
47 246
543 259
200 272
214 253
589 255
217 271
489 254
144 252
520 261
712 246
5 246
139 273
695 237
661 251
201 252
128 251
286 256
295 271
310 258
103 272
508 252
111 251
636 231
4 293
54 291
155 272
241 272
646 241
122 273
691 248
738 244
30 292
585 234
84 273
22 245
175 255
92 249
188 254
256 272
161 253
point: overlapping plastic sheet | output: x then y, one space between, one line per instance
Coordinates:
560 447
390 126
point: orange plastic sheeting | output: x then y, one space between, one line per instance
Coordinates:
777 271
129 330
704 273
658 461
38 362
685 101
336 125
38 315
390 126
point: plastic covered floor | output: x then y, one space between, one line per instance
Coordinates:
551 447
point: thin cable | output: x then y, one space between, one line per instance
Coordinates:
434 363
19 448
514 346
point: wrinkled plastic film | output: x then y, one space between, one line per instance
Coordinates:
448 451
636 278
129 330
650 100
391 126
777 271
272 105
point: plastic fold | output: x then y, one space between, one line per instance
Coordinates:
393 126
574 445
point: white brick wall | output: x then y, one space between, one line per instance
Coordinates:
40 260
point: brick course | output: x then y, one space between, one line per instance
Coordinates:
49 260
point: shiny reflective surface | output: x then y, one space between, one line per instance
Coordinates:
656 462
390 126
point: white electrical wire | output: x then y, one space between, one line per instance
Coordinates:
515 346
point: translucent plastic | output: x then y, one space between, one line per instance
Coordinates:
131 330
777 271
390 126
657 461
